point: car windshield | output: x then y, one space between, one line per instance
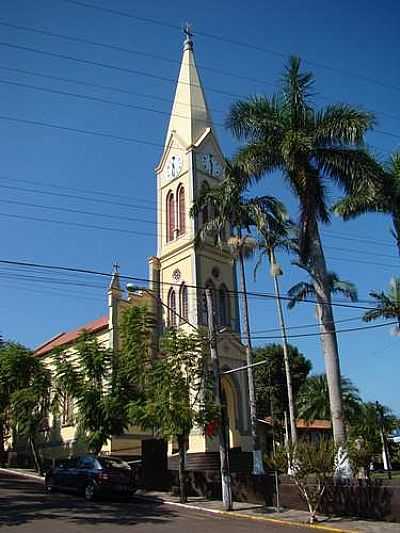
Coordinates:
111 462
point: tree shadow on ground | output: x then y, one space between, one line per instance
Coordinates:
24 501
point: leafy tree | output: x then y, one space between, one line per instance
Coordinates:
313 399
178 394
24 395
231 209
270 379
381 197
388 304
310 147
311 465
103 383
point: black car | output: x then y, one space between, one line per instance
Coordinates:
91 475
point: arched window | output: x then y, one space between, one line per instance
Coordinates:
223 306
184 302
180 201
170 209
171 308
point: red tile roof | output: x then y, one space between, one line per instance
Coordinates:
313 424
70 336
305 424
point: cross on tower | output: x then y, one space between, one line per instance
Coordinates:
187 30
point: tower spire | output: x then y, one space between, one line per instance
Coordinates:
190 116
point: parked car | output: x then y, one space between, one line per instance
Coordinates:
91 475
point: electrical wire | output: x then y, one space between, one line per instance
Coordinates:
231 42
171 284
153 203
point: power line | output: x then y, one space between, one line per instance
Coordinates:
156 234
136 72
325 233
235 42
96 99
106 101
170 284
348 330
83 131
117 48
109 66
100 86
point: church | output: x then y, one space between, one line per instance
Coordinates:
178 274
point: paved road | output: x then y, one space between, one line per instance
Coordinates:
24 506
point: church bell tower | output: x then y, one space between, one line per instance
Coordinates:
191 159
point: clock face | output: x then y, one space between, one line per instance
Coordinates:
210 164
174 166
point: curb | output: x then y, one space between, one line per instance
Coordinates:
22 474
238 514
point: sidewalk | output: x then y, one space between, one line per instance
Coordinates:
252 511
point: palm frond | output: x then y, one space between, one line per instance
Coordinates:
299 292
342 124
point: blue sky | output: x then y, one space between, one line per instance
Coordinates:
359 44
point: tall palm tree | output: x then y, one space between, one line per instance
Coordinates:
231 217
382 198
272 239
387 303
313 399
309 147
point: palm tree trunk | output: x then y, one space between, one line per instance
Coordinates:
257 459
292 416
328 336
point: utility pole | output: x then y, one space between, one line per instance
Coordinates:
276 475
275 272
223 444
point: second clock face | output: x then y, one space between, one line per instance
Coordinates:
210 164
174 166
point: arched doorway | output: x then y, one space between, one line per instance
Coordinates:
230 402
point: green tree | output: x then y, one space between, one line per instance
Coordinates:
313 399
387 303
24 395
383 197
178 393
103 383
311 465
310 147
270 379
232 215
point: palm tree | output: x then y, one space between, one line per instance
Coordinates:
388 304
231 210
382 198
304 289
309 147
272 239
313 399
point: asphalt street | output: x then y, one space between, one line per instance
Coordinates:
24 506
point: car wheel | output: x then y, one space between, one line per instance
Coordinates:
90 491
49 484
